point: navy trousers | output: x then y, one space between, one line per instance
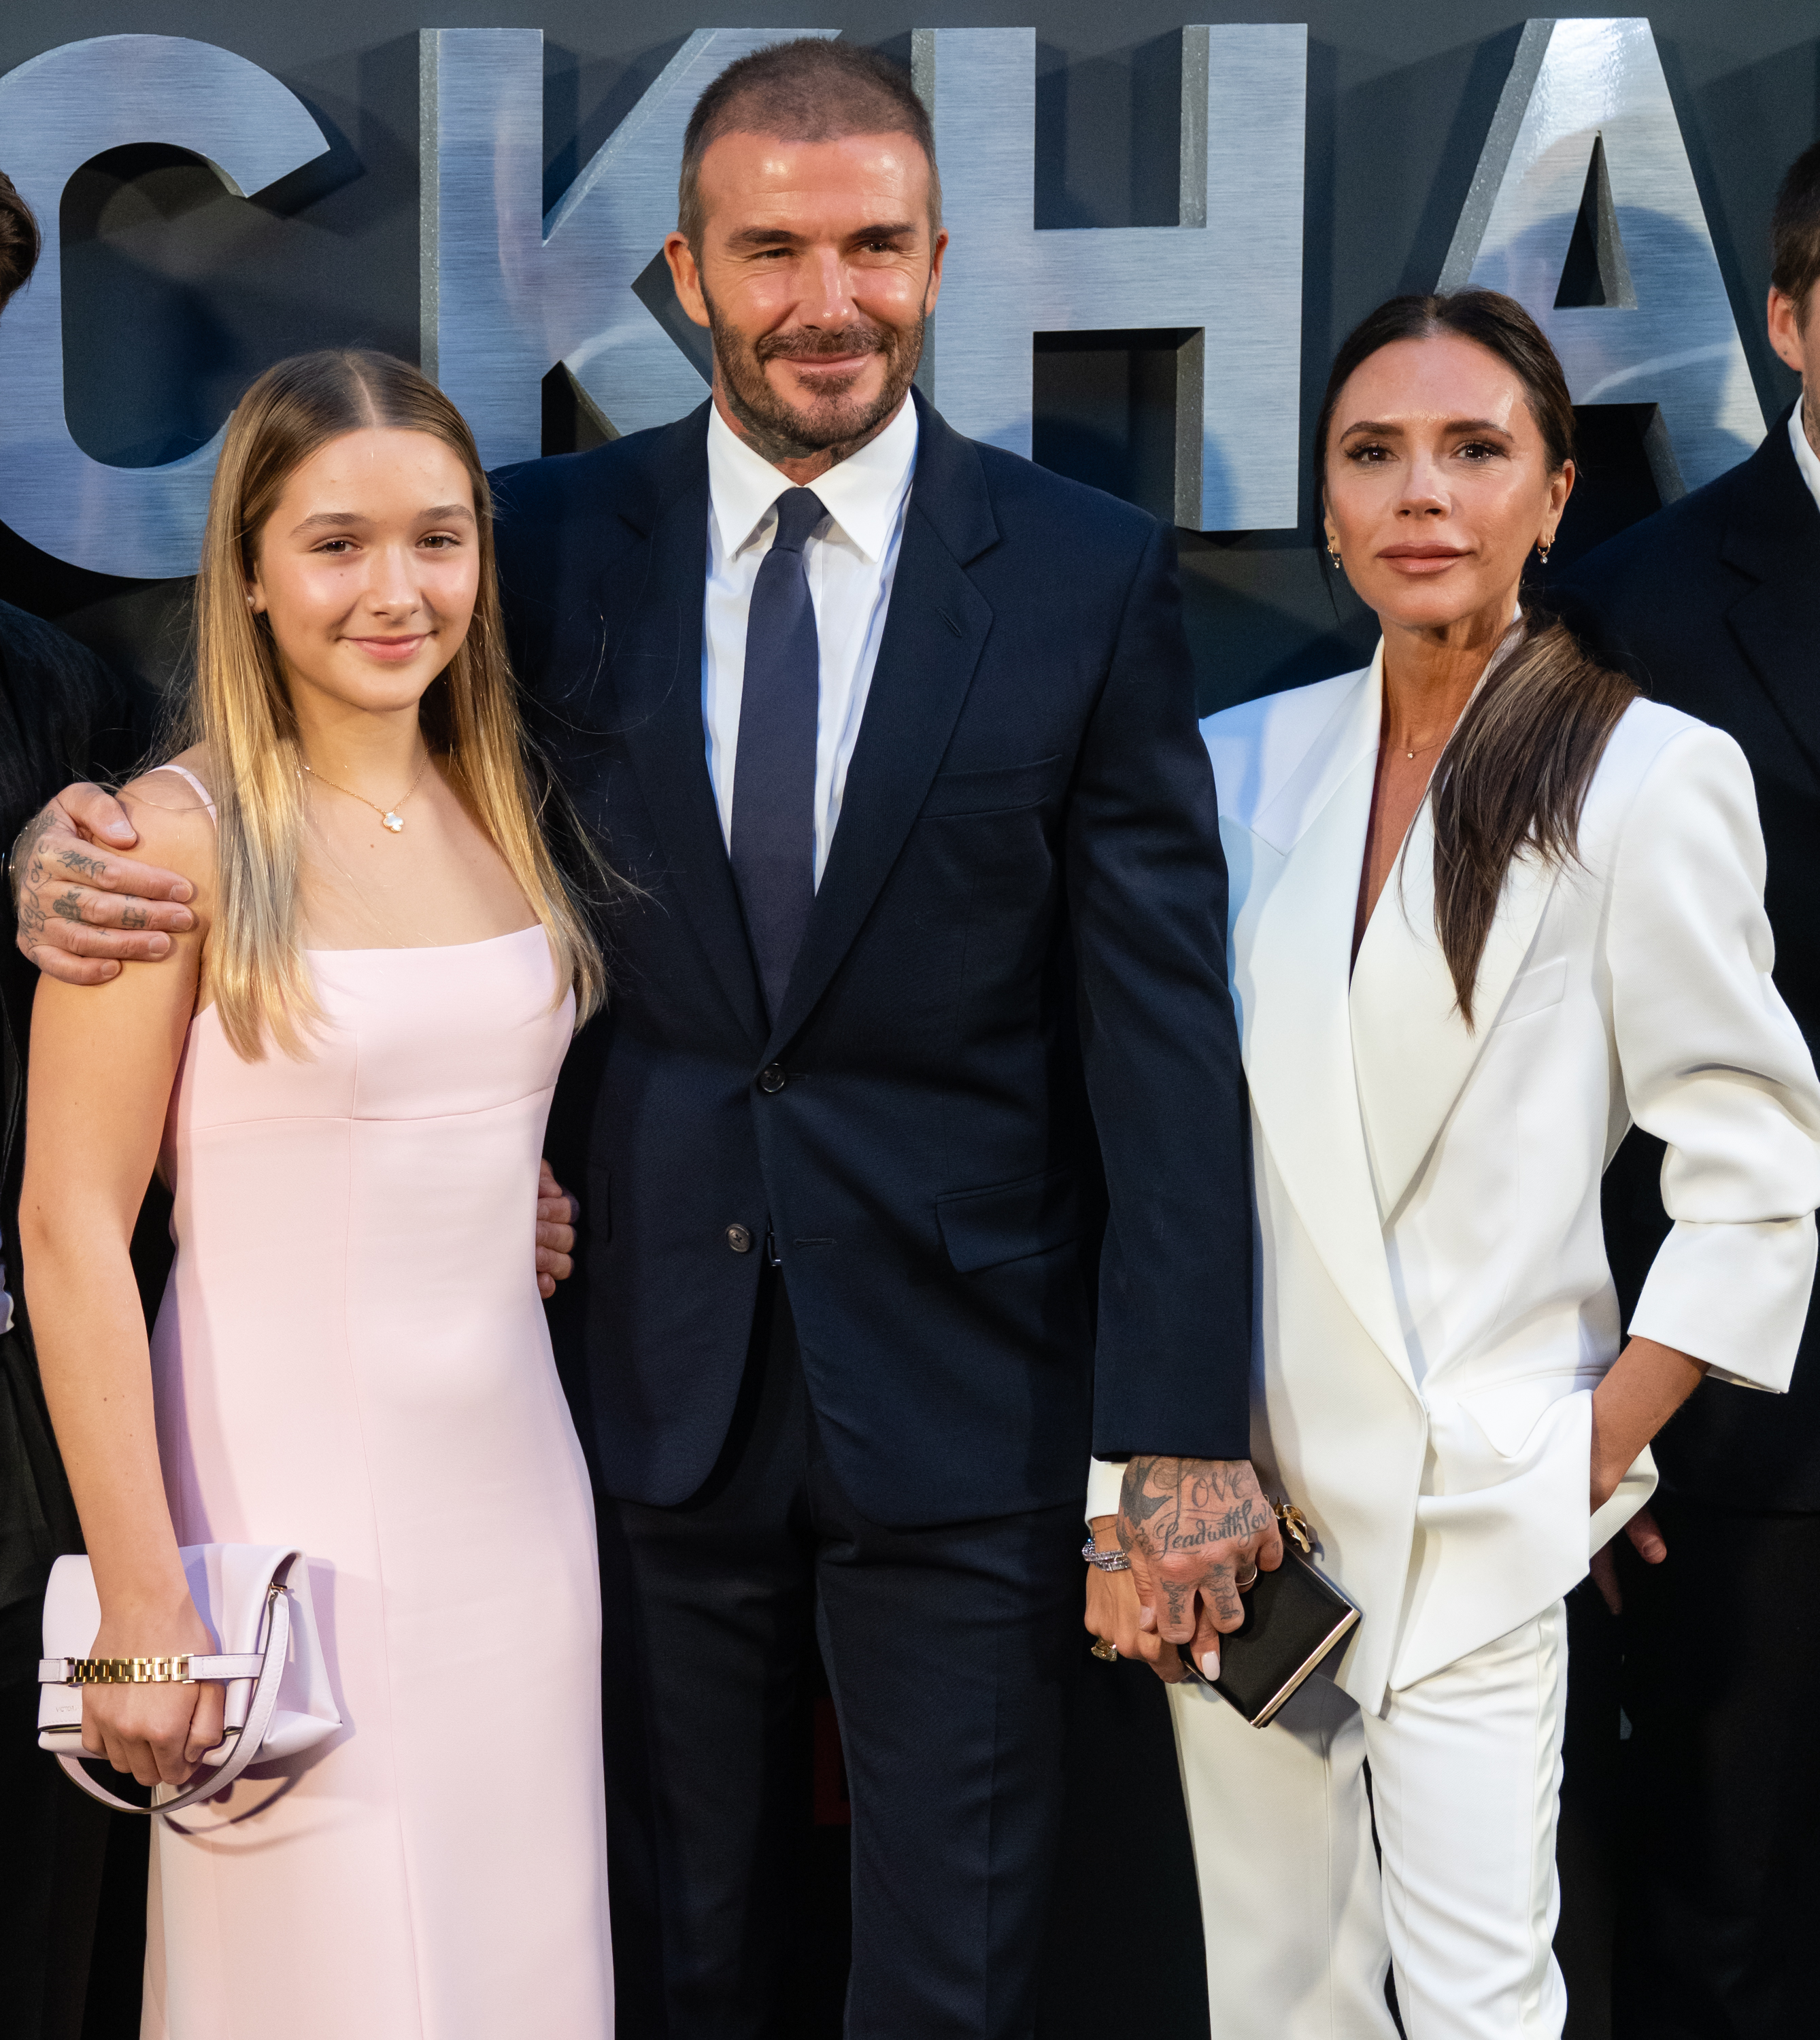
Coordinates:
951 1654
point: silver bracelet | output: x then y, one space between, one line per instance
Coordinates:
1108 1561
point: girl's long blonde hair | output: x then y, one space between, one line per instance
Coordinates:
238 708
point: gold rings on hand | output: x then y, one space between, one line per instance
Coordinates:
1105 1650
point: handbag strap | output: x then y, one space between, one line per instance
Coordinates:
260 1710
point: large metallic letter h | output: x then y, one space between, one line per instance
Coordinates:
1230 275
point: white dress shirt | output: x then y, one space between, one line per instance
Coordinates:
1806 459
851 563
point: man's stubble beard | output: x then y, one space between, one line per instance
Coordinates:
775 430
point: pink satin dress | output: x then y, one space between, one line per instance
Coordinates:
351 1356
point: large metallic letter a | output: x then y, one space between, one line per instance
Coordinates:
1585 210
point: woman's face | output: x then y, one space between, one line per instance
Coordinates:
368 570
1438 483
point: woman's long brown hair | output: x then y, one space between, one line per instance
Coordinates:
239 707
1513 779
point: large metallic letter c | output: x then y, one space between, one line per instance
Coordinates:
56 111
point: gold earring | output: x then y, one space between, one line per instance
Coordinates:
1543 548
1333 553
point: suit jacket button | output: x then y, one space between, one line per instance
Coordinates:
739 1238
772 1078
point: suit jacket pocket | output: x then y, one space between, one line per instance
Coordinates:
1534 990
1507 1414
1011 1221
994 791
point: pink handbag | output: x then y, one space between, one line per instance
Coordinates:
256 1599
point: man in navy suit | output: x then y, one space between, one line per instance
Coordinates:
912 1148
1714 605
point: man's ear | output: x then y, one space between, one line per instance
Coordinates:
686 277
934 289
1784 323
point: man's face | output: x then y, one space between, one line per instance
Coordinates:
816 271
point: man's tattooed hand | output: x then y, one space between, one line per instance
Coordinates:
1192 1529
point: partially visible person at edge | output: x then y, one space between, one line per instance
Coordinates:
896 733
1713 605
61 711
342 1072
1489 907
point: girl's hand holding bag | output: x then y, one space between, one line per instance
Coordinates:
255 1599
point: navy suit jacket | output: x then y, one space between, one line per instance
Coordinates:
1713 605
997 1131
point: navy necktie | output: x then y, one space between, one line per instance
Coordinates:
773 770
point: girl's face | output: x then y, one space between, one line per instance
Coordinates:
368 570
1437 482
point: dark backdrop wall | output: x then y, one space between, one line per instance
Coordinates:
176 294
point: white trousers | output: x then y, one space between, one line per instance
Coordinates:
1301 1921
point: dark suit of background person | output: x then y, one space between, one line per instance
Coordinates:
1009 1011
1714 604
62 715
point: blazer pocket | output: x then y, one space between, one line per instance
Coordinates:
1532 989
1011 1221
995 790
1508 1413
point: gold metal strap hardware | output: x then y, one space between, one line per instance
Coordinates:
130 1670
1296 1525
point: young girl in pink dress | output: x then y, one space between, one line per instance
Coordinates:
344 1074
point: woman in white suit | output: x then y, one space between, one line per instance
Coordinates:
1488 909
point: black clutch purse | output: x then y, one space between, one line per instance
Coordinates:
1293 1617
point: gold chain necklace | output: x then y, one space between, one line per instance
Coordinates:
389 817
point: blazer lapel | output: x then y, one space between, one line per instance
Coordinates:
1290 974
656 684
934 632
1412 1052
1775 538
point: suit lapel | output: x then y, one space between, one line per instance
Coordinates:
1290 973
1412 1052
657 675
1774 537
934 632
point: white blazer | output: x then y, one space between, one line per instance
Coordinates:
1434 1305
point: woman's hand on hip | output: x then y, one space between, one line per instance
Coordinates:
1112 1613
1642 1388
158 1733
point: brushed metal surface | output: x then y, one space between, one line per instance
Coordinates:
1230 275
1574 83
507 293
56 111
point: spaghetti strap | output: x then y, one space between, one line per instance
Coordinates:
183 772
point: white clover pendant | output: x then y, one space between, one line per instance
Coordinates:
392 820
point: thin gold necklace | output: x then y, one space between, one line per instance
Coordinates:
389 817
1422 749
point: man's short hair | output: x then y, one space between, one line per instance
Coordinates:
809 90
1794 232
18 241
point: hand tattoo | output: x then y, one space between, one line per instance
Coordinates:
82 864
68 906
1188 1505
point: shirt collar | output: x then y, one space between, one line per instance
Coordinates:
1805 457
862 493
